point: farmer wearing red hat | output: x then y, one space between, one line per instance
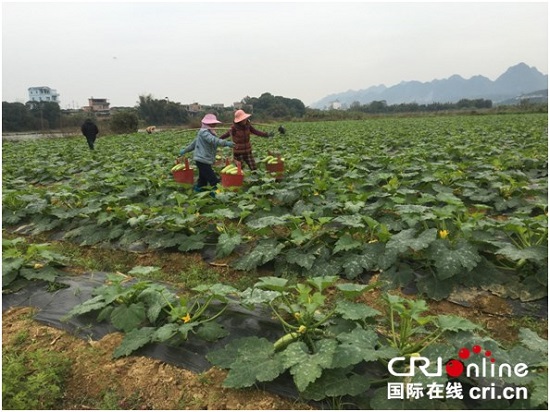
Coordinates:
205 146
240 132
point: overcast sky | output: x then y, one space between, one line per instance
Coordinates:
220 52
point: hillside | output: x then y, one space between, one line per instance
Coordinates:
515 81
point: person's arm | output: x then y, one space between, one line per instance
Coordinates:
189 148
225 135
257 132
216 141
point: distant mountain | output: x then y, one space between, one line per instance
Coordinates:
517 80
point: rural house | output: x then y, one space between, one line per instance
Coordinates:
43 94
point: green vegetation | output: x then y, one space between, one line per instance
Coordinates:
124 122
33 380
161 111
149 312
439 204
22 262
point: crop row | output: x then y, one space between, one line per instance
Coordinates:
317 338
437 202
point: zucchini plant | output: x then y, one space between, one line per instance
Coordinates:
148 312
23 262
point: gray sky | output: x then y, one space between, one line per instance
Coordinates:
220 52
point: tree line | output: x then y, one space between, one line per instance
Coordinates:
381 106
47 116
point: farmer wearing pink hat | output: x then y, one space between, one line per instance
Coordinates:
240 132
205 146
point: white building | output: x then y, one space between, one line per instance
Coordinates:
43 94
335 105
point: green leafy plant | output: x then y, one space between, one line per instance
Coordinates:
411 330
148 312
324 338
22 262
371 205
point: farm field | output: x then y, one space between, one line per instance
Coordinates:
437 207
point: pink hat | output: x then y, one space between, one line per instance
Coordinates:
240 115
210 119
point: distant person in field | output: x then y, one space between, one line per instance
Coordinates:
205 145
90 131
240 133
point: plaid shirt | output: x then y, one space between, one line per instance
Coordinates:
241 137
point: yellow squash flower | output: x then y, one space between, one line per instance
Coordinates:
186 318
443 234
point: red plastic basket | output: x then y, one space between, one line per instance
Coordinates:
233 180
184 175
276 168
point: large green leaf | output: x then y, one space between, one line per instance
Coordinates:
249 360
324 266
455 323
300 258
11 266
398 275
193 242
346 242
211 331
355 311
267 221
133 340
407 240
535 253
335 383
322 282
352 290
265 251
95 303
47 273
434 287
533 341
219 291
128 317
356 264
254 296
306 367
355 221
165 332
539 393
155 300
360 345
272 283
227 244
451 260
